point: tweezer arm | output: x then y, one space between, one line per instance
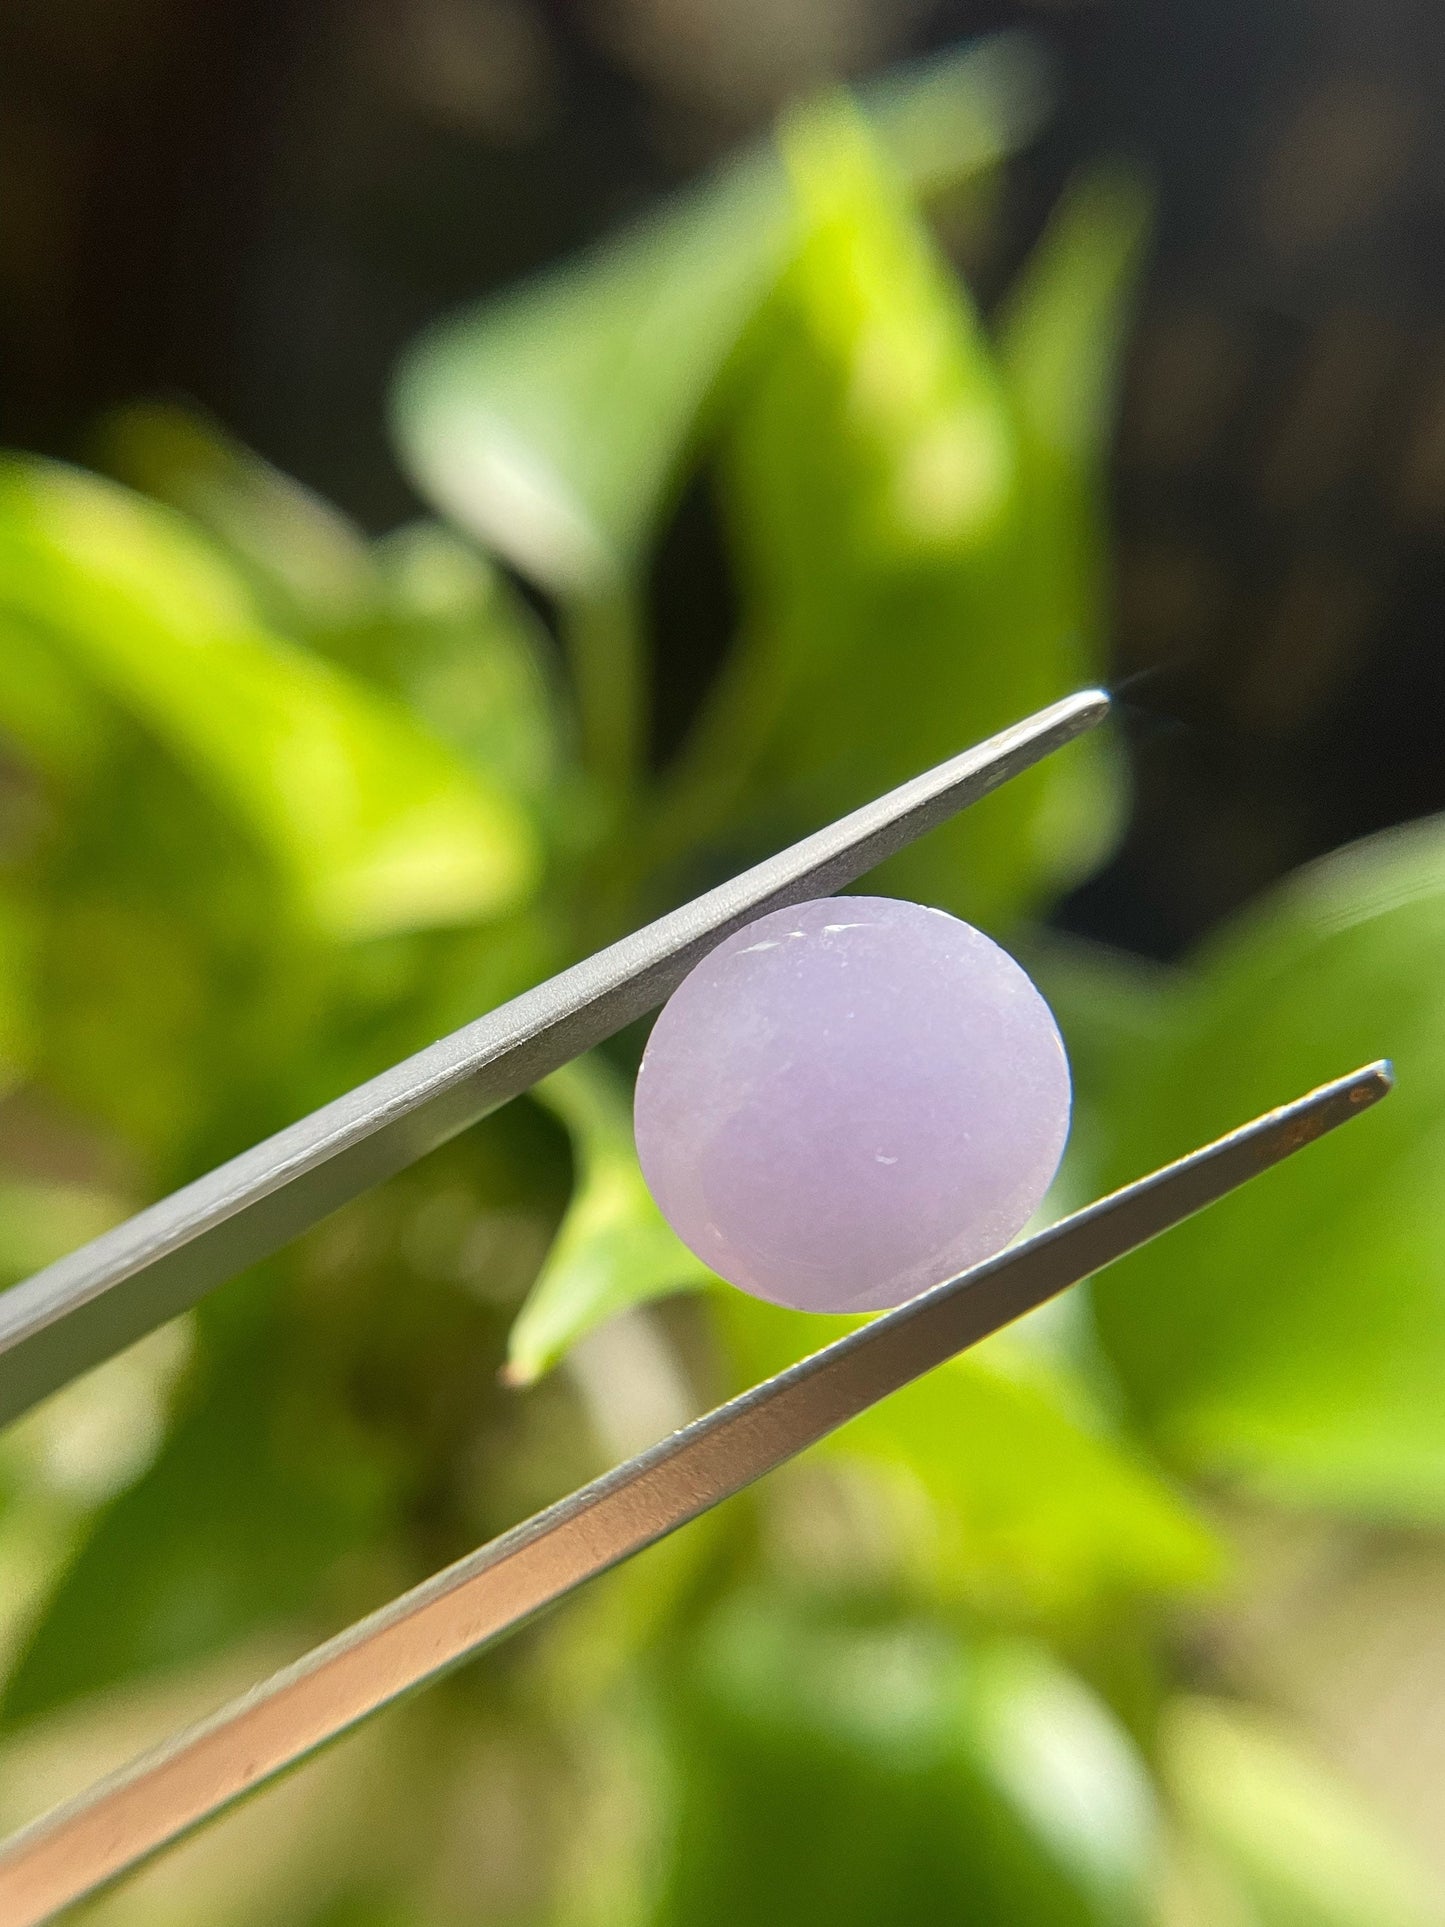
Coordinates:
91 1304
427 1631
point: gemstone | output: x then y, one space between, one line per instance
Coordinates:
849 1101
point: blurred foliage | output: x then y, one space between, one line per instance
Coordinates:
1287 1840
279 803
1323 1388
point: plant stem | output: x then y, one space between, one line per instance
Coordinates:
605 646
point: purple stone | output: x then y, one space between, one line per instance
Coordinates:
851 1100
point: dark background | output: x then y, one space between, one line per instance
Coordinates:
254 205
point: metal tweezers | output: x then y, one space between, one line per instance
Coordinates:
88 1306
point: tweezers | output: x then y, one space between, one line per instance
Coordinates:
88 1306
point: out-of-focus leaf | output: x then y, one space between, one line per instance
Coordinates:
902 384
1112 1010
307 564
848 1773
1304 1849
1057 1754
1062 330
1061 340
1035 1509
374 822
176 1004
1037 1512
614 1248
1293 1336
41 1221
46 711
236 1528
951 116
468 657
369 1909
98 1434
17 987
552 421
896 528
1110 1006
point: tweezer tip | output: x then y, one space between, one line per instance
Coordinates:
1373 1081
1093 704
1357 1090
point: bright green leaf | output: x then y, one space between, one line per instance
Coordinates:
47 714
173 1005
614 1248
1304 1849
901 380
910 580
1058 1755
42 1220
1038 1511
1112 1009
235 1529
854 1773
376 824
17 985
468 657
1061 335
307 564
1035 1508
1061 340
552 421
1293 1336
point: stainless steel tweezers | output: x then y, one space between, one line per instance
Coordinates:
91 1304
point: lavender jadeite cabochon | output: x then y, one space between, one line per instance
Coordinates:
851 1100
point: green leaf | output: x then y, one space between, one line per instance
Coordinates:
58 725
40 1221
1062 332
1293 1336
375 824
614 1249
308 566
1058 1756
1036 1510
17 984
468 657
1112 1009
552 421
1301 1847
236 1528
1039 1512
1061 340
172 1003
855 1773
891 366
910 581
1108 1003
951 117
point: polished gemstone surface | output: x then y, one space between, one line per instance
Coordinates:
851 1100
